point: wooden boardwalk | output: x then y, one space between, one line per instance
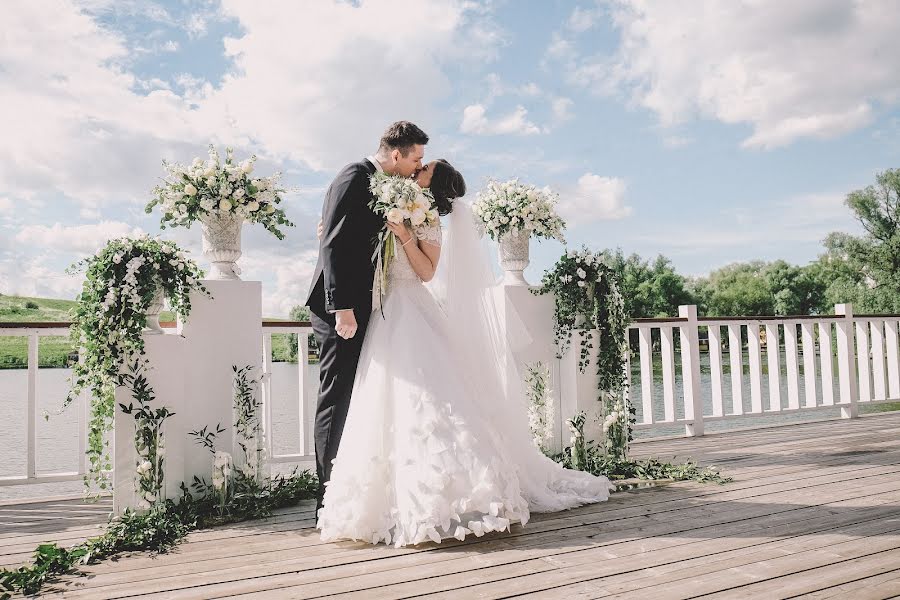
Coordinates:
814 512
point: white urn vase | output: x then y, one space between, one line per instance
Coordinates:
514 248
222 244
156 305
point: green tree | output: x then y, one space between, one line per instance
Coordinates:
300 313
738 289
796 290
866 268
650 289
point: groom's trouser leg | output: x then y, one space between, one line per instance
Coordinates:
338 359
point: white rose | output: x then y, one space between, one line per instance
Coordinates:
270 209
418 217
581 273
210 181
247 166
206 204
252 206
581 284
225 205
239 193
190 190
145 466
395 215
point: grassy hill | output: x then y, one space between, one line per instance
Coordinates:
57 351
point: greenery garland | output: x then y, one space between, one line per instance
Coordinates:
157 530
587 298
122 280
584 456
234 494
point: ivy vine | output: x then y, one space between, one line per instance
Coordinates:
587 299
122 280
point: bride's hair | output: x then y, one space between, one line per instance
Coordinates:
447 184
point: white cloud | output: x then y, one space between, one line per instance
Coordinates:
562 109
475 121
330 101
801 220
582 19
291 271
6 206
74 239
594 198
768 64
32 276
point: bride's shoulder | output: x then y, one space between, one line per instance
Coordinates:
430 232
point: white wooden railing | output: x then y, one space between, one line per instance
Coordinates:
34 332
829 362
845 361
304 402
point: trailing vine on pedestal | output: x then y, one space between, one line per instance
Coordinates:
122 281
587 299
148 437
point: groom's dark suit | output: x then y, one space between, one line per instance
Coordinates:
342 280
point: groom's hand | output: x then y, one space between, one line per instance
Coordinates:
320 229
345 323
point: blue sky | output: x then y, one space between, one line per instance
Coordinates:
724 133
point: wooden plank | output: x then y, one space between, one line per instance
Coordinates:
892 341
736 362
613 532
773 358
809 363
792 364
755 361
667 356
879 373
864 363
715 368
645 346
826 358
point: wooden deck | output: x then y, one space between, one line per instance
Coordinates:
814 512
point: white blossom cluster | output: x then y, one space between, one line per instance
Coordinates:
214 187
149 479
540 404
222 469
401 199
514 207
585 261
616 416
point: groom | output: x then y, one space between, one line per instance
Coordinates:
340 297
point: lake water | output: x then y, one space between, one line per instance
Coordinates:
57 442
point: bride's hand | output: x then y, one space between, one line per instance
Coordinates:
401 231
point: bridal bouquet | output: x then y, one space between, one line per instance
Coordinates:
513 207
213 187
399 200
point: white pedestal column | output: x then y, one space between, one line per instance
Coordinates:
535 314
221 332
167 357
192 375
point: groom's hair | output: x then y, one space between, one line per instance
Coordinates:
402 136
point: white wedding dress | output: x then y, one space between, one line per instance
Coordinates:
433 446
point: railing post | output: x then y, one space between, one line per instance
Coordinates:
31 433
690 370
306 446
849 384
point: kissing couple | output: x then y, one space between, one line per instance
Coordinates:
421 424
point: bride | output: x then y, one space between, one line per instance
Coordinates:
436 442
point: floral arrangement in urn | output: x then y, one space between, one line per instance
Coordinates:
221 195
514 207
512 213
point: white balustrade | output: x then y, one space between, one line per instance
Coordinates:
833 362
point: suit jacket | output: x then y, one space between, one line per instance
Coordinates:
345 271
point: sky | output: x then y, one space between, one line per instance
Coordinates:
707 131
